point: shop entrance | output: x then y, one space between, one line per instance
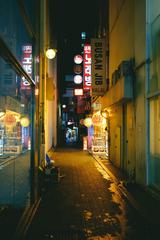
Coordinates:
71 135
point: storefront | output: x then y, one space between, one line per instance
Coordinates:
14 127
16 134
18 74
98 131
100 135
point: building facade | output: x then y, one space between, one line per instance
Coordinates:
132 100
28 103
48 84
19 77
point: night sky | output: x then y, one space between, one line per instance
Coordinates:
71 18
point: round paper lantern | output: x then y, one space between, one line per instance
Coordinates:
87 122
24 122
78 59
78 79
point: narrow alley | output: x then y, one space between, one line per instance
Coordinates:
79 119
85 204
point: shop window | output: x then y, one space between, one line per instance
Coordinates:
155 142
15 137
13 28
154 84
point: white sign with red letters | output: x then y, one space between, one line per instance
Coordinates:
87 67
27 64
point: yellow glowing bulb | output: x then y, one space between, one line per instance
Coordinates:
87 122
25 122
51 53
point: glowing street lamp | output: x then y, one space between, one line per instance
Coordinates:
51 53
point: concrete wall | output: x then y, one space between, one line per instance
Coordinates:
134 32
121 32
51 106
140 90
129 155
121 47
153 18
127 40
115 126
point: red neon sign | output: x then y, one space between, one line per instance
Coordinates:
87 67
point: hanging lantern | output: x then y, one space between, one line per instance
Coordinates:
78 79
78 59
87 122
24 122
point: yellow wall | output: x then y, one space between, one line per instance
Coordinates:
127 40
121 32
115 122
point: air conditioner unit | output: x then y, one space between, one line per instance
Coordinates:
125 68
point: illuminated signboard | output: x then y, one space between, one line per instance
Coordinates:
77 79
27 64
78 59
78 91
98 66
98 119
87 67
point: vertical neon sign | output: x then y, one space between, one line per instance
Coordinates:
27 64
87 67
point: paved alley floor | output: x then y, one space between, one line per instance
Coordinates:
85 204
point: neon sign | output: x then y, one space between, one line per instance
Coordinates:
27 64
87 67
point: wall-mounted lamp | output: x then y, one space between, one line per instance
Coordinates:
36 92
64 106
51 53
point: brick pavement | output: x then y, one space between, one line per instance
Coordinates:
144 199
85 204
